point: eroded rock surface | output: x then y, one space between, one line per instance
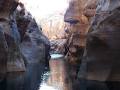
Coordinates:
21 39
101 57
77 29
11 57
34 45
90 8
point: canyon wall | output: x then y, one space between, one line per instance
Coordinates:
11 55
101 56
22 41
34 43
76 28
96 23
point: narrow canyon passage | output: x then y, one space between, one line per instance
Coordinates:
37 78
59 44
57 78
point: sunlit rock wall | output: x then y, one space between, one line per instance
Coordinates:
74 12
90 8
77 28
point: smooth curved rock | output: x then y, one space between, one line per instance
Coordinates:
7 21
34 45
102 55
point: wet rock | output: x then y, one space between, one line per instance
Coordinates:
101 57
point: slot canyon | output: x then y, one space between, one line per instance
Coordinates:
59 45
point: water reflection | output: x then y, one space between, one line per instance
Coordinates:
35 78
46 87
29 80
58 78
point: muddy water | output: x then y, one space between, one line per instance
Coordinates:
37 78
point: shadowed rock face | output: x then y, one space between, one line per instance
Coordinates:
8 6
1 3
15 60
102 54
3 53
34 45
10 59
23 34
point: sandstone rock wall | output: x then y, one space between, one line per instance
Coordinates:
100 60
77 29
74 12
90 8
21 39
11 59
34 45
101 56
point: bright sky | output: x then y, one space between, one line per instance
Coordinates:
43 8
